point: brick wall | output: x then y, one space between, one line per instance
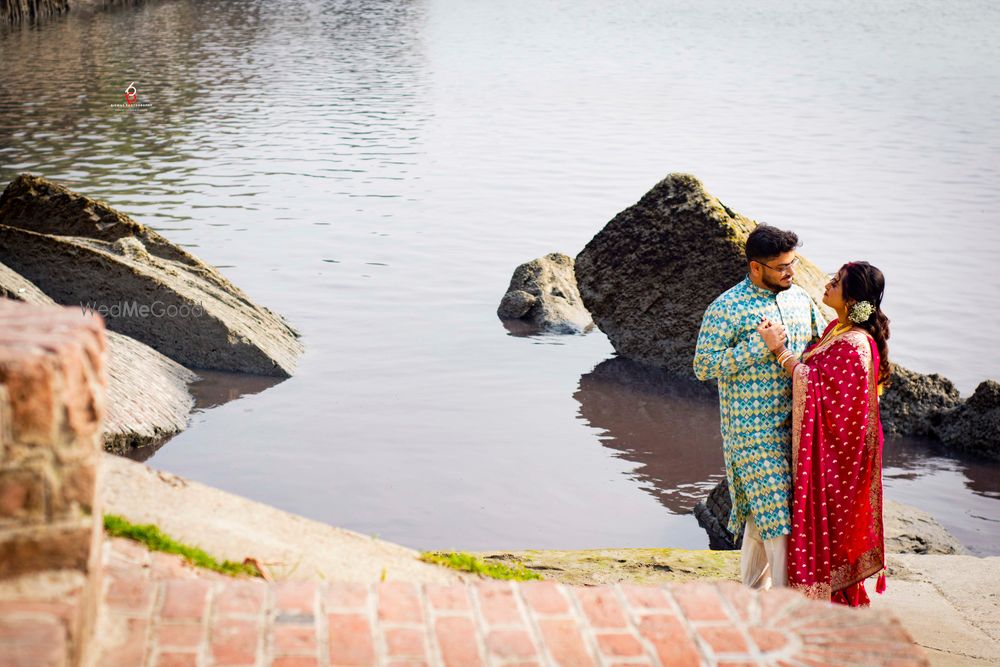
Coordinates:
52 387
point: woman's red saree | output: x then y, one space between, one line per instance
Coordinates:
837 540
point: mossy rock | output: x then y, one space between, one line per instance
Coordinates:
630 566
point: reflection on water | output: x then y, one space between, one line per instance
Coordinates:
217 387
671 430
375 169
960 490
668 428
212 389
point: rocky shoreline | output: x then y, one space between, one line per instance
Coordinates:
949 603
167 311
34 11
635 280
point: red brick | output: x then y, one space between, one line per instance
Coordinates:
768 640
35 642
179 635
22 495
564 643
346 596
350 640
408 663
510 644
739 598
131 651
399 602
82 396
294 639
779 602
294 661
644 597
129 550
177 660
601 607
724 639
30 384
185 599
497 603
802 659
404 642
544 597
447 598
854 645
670 640
234 641
619 644
456 638
76 488
170 566
131 593
64 610
241 597
51 548
295 597
700 602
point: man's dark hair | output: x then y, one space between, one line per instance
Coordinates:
766 242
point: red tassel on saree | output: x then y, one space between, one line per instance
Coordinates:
837 539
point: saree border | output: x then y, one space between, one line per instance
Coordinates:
800 392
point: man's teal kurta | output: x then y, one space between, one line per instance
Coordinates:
755 396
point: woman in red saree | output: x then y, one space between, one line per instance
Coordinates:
837 539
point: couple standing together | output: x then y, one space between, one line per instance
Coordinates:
801 432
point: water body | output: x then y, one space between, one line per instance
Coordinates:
375 170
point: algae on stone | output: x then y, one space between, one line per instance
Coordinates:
612 566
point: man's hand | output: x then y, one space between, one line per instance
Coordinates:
774 335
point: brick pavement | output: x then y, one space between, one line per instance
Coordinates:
158 612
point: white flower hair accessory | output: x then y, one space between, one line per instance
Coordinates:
860 312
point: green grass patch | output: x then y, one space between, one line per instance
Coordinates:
156 540
464 562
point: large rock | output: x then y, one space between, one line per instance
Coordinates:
907 529
913 402
648 276
543 293
81 251
147 399
713 515
974 425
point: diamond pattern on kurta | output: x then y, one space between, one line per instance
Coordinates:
755 396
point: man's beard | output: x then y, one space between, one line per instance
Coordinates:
774 287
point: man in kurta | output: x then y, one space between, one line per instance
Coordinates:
755 396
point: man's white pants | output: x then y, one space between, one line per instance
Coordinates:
763 563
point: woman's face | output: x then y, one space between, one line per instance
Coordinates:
833 295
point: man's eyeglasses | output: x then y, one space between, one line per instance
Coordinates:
782 268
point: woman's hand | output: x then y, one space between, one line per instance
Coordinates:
774 335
